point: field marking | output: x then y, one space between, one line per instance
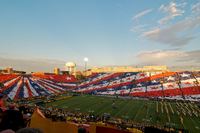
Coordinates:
136 110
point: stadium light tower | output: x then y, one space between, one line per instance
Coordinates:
86 61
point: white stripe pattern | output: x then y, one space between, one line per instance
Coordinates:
32 89
25 92
12 94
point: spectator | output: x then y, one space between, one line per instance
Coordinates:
29 130
7 131
12 119
82 130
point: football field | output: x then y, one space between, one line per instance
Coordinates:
184 115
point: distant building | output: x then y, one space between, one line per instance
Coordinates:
19 72
64 72
41 73
152 69
10 70
56 71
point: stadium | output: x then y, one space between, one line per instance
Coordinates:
99 66
153 100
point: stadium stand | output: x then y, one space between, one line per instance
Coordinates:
25 86
168 85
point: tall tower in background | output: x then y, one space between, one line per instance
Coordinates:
71 66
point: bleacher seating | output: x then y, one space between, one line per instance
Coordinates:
56 78
6 77
25 86
169 85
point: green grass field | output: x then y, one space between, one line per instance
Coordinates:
141 111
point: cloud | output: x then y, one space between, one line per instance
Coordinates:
141 14
34 65
175 34
171 10
178 34
45 65
196 8
169 57
191 57
138 28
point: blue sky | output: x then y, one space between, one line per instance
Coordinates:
108 32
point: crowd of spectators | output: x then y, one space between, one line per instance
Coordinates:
15 118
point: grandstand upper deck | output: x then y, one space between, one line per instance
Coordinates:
116 69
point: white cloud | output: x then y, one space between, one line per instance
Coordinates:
30 65
141 14
169 57
196 8
34 65
177 34
138 28
174 35
171 10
